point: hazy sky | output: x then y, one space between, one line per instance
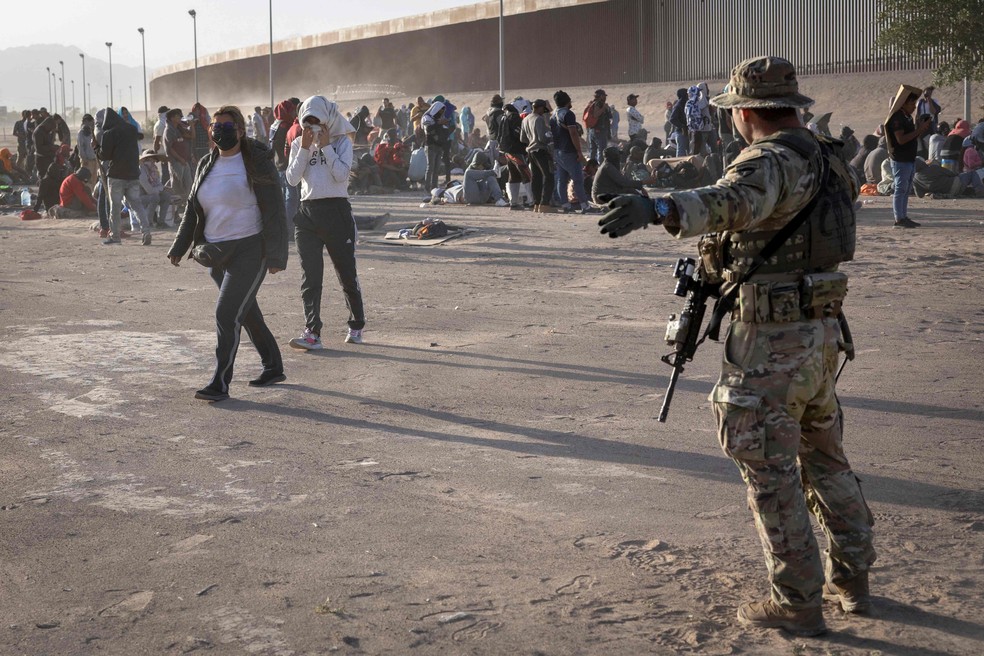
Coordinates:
222 24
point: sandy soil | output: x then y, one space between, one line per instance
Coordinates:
484 476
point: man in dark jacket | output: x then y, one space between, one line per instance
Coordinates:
118 146
44 145
493 117
678 119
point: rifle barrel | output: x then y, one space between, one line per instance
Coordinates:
668 397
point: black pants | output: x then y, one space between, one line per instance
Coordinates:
102 204
236 308
320 224
446 158
434 154
543 180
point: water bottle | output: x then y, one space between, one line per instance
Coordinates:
26 197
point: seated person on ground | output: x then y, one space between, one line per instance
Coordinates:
74 198
951 152
364 177
940 182
886 187
476 140
654 150
635 166
49 187
481 186
11 170
873 162
869 143
610 182
393 161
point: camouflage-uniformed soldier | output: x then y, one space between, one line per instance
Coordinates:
777 413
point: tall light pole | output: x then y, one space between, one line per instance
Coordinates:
85 105
47 78
272 103
109 45
62 78
54 87
967 101
109 98
131 99
194 27
73 102
143 49
88 87
502 50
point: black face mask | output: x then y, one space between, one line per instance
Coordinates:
225 138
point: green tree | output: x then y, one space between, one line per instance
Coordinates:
950 30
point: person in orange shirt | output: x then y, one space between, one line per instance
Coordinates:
8 168
75 199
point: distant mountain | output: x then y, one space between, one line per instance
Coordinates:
22 78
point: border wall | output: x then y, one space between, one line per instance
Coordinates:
548 43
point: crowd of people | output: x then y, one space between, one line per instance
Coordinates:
913 151
238 188
235 184
532 155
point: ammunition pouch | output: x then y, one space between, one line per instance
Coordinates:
817 295
711 258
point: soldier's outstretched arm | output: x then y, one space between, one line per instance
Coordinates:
749 192
627 213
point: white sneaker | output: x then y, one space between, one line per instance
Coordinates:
354 336
308 341
501 203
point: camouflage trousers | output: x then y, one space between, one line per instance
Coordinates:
780 421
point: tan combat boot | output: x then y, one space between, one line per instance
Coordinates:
852 595
770 615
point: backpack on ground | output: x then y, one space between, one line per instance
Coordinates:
431 230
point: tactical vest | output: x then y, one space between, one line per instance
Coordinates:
825 238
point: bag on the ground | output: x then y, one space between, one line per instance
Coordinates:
418 165
430 229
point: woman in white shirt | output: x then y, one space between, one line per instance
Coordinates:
320 161
236 223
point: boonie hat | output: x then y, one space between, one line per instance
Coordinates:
147 154
600 92
761 83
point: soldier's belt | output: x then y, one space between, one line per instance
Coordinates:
815 296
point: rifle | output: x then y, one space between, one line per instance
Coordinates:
683 331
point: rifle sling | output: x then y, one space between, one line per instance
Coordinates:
725 303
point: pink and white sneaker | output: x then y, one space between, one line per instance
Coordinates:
308 341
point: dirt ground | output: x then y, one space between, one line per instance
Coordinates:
485 475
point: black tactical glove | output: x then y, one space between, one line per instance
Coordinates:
627 213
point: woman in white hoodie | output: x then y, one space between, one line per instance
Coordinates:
320 160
